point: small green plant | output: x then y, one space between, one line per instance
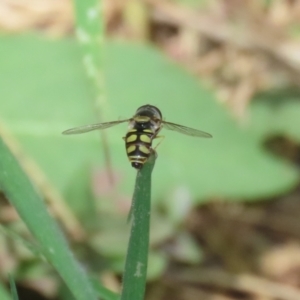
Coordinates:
18 189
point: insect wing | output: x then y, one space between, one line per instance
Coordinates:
186 130
87 128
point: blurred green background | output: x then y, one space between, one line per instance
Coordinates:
225 67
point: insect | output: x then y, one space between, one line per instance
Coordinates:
143 128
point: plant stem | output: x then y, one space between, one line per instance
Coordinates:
135 275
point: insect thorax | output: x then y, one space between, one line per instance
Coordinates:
149 111
148 119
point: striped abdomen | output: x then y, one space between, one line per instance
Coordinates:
138 146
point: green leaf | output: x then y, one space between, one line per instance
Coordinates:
4 295
135 274
276 112
157 264
31 208
44 92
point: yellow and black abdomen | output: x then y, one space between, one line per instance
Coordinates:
138 146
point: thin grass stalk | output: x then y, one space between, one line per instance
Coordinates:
91 35
18 189
13 288
135 274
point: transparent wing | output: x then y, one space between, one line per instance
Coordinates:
87 128
186 130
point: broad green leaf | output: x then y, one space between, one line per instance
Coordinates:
276 113
4 295
44 91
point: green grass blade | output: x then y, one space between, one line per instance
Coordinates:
13 288
20 192
90 33
135 274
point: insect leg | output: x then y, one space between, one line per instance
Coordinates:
159 137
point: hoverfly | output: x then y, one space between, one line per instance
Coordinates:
143 128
